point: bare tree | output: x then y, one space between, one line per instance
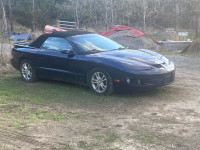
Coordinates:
197 26
5 25
177 17
77 16
106 13
144 14
197 19
10 15
112 12
33 15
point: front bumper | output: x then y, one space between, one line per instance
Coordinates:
146 81
14 64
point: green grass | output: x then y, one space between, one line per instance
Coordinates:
13 90
25 102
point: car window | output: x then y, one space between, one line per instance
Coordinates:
94 43
56 43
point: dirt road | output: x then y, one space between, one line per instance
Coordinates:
164 118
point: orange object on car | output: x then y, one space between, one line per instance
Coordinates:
51 29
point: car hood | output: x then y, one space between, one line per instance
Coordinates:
136 59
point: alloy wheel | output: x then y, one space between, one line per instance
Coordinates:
27 71
99 82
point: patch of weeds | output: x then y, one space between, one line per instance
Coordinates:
66 146
145 137
31 114
58 116
8 108
19 123
82 144
77 115
39 114
156 138
61 148
100 137
115 148
97 145
108 137
111 137
23 110
43 114
86 133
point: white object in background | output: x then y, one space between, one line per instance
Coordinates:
183 34
188 40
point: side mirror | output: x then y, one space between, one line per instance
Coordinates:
70 52
66 51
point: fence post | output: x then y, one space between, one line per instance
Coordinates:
58 23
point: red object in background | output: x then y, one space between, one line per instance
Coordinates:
50 29
115 28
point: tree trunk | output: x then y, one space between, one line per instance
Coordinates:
112 13
10 15
197 27
144 15
5 26
177 19
77 16
106 14
33 16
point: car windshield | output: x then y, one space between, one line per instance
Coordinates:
92 43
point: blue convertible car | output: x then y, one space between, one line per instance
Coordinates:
90 59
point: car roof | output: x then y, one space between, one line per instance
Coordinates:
40 40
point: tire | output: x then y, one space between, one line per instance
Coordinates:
27 71
100 82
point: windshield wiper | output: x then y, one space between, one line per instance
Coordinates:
121 48
94 51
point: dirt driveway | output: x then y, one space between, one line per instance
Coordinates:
164 118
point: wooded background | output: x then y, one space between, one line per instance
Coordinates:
100 14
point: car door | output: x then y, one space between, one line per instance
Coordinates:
54 62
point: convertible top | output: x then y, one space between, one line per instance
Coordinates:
40 40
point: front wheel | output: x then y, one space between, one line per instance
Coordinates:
27 71
100 82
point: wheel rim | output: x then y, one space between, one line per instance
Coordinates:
26 71
99 82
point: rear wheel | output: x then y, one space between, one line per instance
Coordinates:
27 71
100 82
